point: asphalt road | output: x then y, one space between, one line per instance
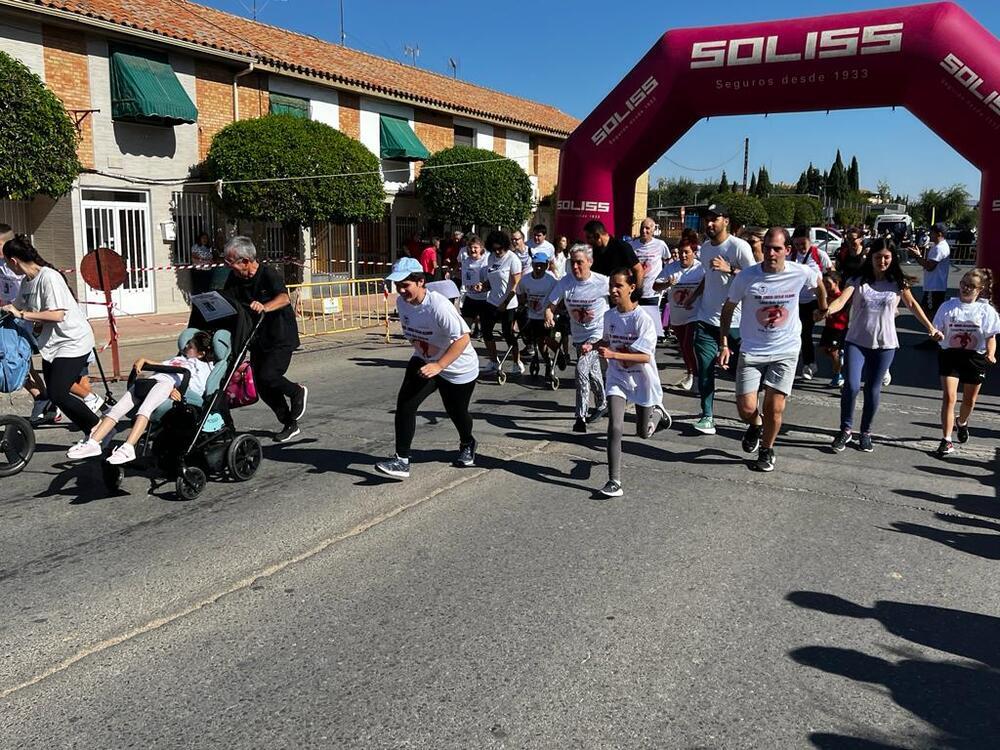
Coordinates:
843 601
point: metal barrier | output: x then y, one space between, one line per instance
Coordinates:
340 305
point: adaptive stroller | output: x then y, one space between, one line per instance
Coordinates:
17 437
195 439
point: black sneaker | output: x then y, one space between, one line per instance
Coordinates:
290 431
579 426
561 360
765 460
945 447
395 467
841 441
751 438
299 403
865 443
467 455
612 489
598 413
963 432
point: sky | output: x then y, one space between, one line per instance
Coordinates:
571 53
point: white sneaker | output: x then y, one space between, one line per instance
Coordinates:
886 379
122 454
808 371
686 383
95 403
517 368
58 417
84 449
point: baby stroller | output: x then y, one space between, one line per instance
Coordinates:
17 437
195 439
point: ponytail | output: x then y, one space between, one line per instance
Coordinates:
22 249
985 277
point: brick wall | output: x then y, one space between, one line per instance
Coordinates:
66 73
547 164
253 96
436 130
214 89
350 114
500 140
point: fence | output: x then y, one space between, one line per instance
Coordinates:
15 214
340 305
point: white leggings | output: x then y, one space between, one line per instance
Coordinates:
158 394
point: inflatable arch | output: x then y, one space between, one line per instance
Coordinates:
933 59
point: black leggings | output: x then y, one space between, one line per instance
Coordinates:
60 375
269 368
488 317
415 389
806 310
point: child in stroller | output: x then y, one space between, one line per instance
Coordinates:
191 367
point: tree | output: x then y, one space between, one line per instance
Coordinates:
808 211
847 216
836 181
802 186
948 205
752 189
763 183
780 210
724 183
883 191
854 176
815 180
37 138
744 210
495 192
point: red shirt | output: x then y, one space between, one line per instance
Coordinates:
838 321
428 259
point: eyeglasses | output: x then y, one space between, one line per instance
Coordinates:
966 285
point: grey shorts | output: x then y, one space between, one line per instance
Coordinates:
777 374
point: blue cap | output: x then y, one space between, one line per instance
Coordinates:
403 268
541 256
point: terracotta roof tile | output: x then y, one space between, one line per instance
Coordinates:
283 49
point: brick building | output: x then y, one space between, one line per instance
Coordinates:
215 68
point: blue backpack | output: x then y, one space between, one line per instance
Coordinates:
15 357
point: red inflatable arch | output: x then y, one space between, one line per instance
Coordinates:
934 59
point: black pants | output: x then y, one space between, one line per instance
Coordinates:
808 351
488 317
201 281
412 393
60 374
931 302
269 368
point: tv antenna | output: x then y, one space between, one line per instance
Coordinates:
412 52
453 63
343 34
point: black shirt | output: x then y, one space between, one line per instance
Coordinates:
850 265
279 330
618 254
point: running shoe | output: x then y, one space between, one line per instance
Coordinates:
661 420
841 441
561 360
765 460
517 368
299 403
579 425
289 431
467 455
612 489
751 438
886 379
491 368
945 447
122 455
963 432
837 381
58 417
599 413
38 409
395 467
475 332
705 425
865 442
686 383
808 371
84 449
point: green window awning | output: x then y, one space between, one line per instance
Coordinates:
398 141
283 104
145 89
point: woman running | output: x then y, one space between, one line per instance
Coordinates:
969 324
585 295
536 289
472 264
66 339
871 340
558 263
681 278
500 277
443 360
629 348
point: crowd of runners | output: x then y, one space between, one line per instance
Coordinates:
742 306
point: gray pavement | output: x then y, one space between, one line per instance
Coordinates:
843 601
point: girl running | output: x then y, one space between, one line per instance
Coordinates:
871 336
585 295
831 340
148 394
443 360
969 324
499 279
681 278
536 289
629 347
472 264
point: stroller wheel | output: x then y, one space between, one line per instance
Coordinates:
17 444
554 383
190 482
113 476
243 457
501 377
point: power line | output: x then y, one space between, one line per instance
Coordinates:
704 169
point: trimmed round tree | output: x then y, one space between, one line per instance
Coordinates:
745 210
37 138
808 211
780 210
494 192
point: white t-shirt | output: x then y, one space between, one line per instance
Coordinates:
937 280
199 369
586 302
70 337
967 325
809 259
433 326
634 332
559 263
873 314
536 293
650 256
497 272
525 259
771 328
472 274
10 283
684 282
737 254
543 245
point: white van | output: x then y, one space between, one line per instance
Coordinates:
895 224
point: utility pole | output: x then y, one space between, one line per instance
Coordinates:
746 162
343 35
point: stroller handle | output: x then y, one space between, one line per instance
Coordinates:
166 370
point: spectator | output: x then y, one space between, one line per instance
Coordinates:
610 254
202 254
936 266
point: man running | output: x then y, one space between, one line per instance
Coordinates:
650 251
770 330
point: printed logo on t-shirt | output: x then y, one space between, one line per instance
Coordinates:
680 295
420 339
621 341
773 310
963 334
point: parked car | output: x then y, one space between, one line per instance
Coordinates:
823 238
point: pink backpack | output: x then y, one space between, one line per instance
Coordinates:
241 390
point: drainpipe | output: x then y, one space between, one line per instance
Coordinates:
236 92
